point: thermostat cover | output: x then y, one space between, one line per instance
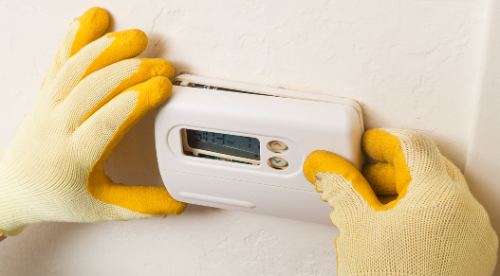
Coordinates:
238 146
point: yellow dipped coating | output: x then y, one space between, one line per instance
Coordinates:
141 199
324 161
126 44
93 24
381 177
386 148
148 69
84 30
437 211
379 145
387 199
55 176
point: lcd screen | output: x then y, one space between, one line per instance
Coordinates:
230 145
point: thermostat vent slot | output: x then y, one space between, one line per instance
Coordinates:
218 88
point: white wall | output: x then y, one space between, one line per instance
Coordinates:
482 169
409 63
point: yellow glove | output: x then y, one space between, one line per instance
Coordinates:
92 95
432 224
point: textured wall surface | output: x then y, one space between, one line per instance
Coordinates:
409 63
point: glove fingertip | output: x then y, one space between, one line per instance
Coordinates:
93 24
315 162
324 161
131 42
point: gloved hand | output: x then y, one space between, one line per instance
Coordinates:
92 95
432 226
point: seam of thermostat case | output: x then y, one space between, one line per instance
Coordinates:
201 82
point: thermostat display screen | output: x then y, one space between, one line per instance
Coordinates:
233 145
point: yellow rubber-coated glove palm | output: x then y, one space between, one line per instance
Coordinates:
92 95
432 225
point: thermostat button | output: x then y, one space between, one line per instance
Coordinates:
278 163
277 146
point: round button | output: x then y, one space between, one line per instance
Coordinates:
278 163
277 146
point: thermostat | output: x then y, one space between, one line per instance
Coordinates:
239 146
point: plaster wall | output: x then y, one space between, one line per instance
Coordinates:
409 63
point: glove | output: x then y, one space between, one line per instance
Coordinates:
432 225
92 95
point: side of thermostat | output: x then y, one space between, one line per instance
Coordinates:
238 146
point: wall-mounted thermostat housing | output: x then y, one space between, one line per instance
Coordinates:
238 146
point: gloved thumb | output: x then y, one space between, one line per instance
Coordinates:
341 183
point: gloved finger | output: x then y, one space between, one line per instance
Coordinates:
102 131
114 212
100 87
139 200
384 147
340 182
105 51
412 155
382 178
85 29
455 173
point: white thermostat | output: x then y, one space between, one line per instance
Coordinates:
238 146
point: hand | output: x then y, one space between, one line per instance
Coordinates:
92 95
432 225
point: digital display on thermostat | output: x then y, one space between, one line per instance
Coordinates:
228 145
